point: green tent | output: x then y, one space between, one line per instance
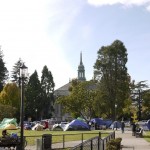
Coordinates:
81 119
7 121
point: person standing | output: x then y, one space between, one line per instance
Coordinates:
122 126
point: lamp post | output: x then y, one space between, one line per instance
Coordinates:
23 75
115 111
36 113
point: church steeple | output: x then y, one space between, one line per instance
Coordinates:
81 70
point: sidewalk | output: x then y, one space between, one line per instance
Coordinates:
130 142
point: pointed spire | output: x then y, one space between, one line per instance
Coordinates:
81 58
81 71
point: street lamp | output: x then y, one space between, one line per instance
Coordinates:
23 75
36 113
115 111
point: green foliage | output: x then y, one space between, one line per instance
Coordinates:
7 111
112 76
114 144
16 72
141 98
10 96
80 101
3 71
47 85
33 96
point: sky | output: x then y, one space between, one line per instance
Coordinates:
55 32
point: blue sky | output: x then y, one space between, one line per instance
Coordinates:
54 32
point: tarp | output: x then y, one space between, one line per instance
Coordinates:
6 121
76 125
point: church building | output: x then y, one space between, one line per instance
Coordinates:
64 91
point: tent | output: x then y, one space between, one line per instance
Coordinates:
76 125
10 127
115 124
80 118
57 127
6 121
98 121
108 123
148 124
38 127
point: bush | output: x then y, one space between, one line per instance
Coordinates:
114 144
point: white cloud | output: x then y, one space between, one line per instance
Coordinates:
123 2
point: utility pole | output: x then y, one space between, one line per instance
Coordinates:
139 105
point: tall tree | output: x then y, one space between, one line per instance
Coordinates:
3 71
111 68
10 96
140 97
47 85
33 101
16 72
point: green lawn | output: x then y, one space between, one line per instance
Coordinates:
147 136
58 136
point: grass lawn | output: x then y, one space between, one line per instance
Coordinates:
58 136
147 136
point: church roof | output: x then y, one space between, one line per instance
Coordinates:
63 91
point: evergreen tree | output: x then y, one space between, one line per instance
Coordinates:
3 71
111 68
33 97
47 85
16 72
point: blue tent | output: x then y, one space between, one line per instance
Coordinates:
148 124
108 123
115 124
98 121
76 125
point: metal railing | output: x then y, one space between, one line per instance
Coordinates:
95 143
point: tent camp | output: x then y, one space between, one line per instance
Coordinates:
9 123
76 125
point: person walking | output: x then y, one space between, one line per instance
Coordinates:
122 126
133 129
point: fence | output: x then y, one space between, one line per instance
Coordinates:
95 143
62 141
70 140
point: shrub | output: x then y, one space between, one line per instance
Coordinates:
114 144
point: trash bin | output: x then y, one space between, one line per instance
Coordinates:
46 141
